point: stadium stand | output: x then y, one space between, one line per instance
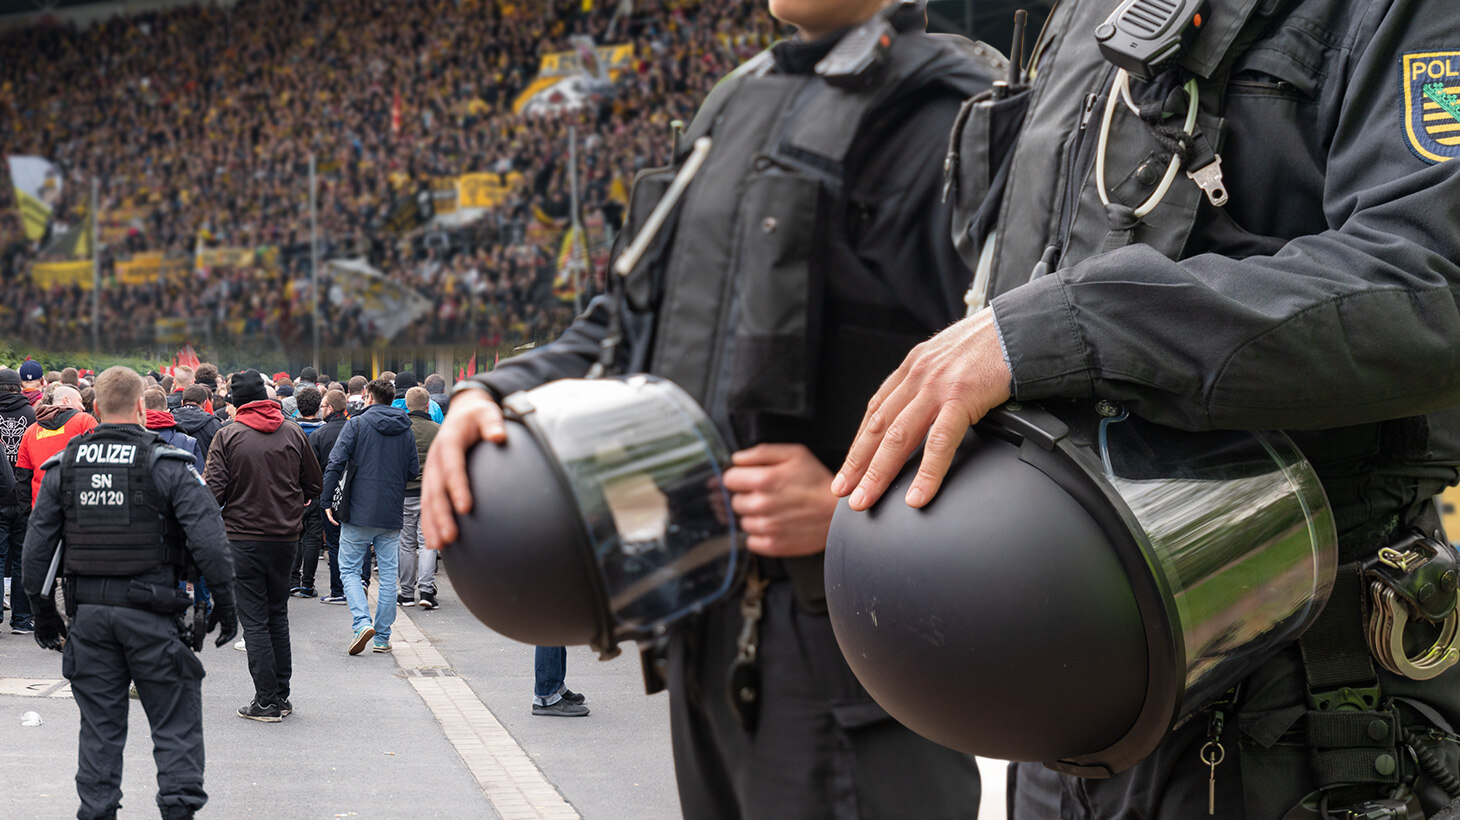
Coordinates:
199 123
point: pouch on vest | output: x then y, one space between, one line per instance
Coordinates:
644 284
777 298
977 167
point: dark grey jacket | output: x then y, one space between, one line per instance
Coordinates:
380 443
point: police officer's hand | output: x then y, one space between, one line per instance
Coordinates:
225 618
445 491
782 495
943 386
50 630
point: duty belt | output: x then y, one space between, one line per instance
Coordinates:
128 592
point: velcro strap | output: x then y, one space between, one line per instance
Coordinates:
1335 652
1348 748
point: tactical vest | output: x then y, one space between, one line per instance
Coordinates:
116 524
733 306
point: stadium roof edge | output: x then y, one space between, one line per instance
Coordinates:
22 13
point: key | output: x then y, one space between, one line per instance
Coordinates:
1212 754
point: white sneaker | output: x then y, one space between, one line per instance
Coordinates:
240 646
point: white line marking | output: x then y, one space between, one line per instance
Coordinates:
506 774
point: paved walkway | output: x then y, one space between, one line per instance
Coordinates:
441 727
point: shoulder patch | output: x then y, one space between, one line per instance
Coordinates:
1431 83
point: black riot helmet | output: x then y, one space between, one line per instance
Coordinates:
602 519
1084 580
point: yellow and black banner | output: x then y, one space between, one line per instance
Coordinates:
37 190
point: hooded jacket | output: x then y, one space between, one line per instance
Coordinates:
379 442
53 428
165 426
199 424
262 472
16 415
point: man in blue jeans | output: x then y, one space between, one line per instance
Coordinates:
551 697
379 444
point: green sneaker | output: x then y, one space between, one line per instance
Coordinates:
362 637
380 646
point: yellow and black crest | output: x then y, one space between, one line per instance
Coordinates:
1432 104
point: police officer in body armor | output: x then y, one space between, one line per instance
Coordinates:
133 513
808 252
1298 270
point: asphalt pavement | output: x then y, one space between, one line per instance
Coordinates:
442 727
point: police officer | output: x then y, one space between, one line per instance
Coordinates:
1257 233
133 513
809 251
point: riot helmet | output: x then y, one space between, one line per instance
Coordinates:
1085 580
602 519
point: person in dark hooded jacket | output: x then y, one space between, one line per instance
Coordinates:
56 423
264 474
194 420
379 443
335 409
16 415
165 426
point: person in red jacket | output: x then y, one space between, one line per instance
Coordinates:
56 423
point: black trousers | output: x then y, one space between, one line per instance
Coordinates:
108 647
306 557
261 570
823 748
13 522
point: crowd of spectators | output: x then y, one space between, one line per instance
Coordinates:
201 121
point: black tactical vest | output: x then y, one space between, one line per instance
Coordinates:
115 520
736 301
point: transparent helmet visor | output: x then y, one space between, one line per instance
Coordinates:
1242 535
645 465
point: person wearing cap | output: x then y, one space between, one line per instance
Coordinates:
403 383
264 474
16 415
32 381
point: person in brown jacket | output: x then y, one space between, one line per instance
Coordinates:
264 474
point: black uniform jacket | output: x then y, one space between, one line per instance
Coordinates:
184 496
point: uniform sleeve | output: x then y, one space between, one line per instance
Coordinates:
1352 325
44 533
197 512
569 356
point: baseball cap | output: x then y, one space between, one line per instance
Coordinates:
31 371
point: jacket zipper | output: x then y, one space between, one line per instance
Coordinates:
1074 169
